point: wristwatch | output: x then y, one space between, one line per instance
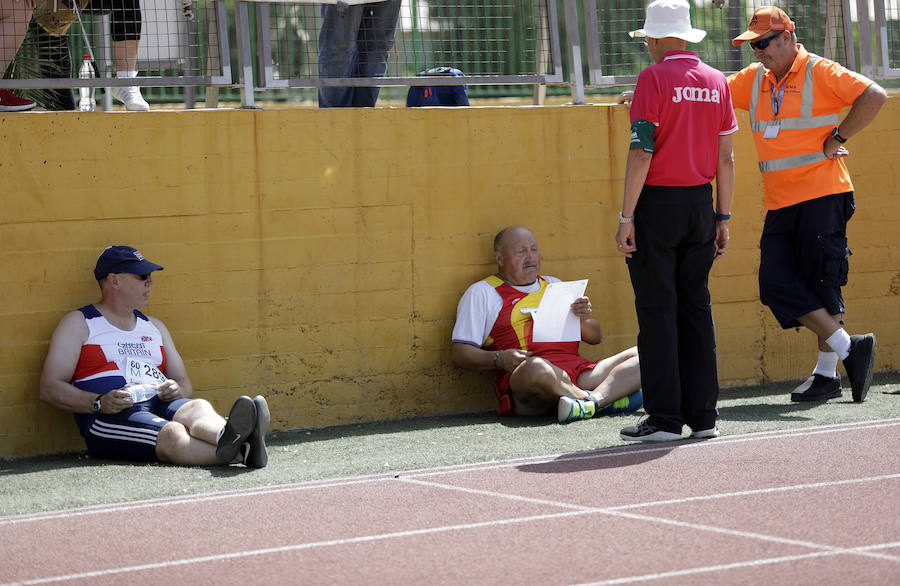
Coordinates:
95 406
837 135
623 219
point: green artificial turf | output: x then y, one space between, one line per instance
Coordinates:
67 481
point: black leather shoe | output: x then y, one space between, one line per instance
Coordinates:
859 364
817 388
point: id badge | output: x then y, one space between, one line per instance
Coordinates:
138 372
772 129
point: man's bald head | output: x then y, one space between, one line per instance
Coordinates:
517 254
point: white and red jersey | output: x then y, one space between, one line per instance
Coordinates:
109 353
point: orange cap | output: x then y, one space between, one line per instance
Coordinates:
765 19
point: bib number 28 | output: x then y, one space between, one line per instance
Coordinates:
140 372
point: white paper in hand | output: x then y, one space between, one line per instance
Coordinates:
554 320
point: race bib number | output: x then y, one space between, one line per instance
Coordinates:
138 372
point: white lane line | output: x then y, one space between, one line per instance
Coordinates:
650 449
295 547
733 566
616 508
755 491
578 511
494 465
619 511
172 501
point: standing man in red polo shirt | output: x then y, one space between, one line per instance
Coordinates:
795 100
682 123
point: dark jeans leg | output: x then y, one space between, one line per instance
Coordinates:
355 41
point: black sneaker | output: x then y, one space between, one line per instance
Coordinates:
859 364
241 423
645 432
258 457
817 388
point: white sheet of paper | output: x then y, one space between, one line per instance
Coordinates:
554 320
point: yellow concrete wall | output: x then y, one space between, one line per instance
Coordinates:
317 256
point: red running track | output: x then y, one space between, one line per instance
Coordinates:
812 506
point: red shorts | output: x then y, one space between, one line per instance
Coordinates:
572 364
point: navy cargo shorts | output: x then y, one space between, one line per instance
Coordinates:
804 257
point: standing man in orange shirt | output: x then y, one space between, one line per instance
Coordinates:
795 99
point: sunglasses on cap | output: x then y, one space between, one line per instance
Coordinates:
761 44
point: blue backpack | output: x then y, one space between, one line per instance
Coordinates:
438 95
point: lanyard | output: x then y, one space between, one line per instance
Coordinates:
776 104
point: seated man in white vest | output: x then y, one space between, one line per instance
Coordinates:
119 372
493 332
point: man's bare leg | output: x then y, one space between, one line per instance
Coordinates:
175 445
613 378
536 386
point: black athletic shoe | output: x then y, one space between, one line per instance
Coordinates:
859 364
817 388
241 423
645 432
258 457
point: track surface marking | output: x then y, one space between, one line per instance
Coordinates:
816 505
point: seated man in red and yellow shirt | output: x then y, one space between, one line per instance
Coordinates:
494 331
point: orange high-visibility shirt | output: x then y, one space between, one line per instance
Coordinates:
815 90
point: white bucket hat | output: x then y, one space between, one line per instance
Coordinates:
669 18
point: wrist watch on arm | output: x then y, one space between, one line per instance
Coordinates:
835 133
95 406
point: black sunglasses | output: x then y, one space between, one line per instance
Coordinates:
143 277
761 44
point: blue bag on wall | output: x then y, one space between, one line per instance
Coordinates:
438 95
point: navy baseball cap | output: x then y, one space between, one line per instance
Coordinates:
123 259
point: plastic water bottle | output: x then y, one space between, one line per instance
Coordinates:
86 102
142 392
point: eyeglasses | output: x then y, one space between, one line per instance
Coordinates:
143 277
761 44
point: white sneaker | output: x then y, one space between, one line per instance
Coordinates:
705 433
131 97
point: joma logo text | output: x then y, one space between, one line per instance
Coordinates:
696 94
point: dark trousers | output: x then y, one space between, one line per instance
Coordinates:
675 237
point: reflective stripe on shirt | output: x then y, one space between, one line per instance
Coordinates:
805 121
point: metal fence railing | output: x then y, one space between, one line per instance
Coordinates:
841 30
500 42
271 47
179 44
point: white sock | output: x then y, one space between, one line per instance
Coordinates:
827 364
219 435
129 73
840 343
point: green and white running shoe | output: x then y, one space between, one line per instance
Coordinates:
570 409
